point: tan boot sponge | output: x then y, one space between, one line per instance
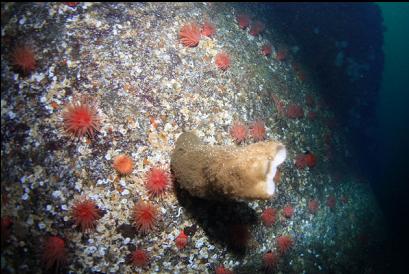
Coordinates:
236 172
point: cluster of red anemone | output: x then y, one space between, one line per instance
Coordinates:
240 132
81 119
190 35
271 258
256 27
283 242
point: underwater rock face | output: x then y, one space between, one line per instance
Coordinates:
234 172
95 113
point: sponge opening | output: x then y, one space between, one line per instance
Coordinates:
278 160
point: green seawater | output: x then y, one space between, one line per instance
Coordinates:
394 95
393 132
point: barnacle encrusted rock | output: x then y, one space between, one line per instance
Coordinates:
237 172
